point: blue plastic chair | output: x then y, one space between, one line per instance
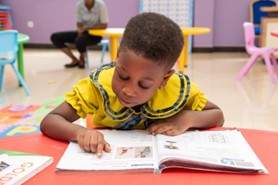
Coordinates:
105 45
8 55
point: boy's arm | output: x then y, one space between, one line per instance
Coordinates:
58 123
210 116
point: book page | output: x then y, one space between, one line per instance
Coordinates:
130 150
211 149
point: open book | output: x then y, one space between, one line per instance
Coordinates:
135 151
18 167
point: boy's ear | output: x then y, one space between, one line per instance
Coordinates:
167 77
117 56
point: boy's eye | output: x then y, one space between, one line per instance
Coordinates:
143 86
122 77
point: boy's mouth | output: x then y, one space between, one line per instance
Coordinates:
125 102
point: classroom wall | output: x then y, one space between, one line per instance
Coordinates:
224 17
228 19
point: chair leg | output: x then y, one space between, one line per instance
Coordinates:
87 58
22 82
269 68
274 63
2 67
247 67
104 48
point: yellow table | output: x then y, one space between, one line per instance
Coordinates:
184 53
114 34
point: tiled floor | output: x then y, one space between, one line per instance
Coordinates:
250 103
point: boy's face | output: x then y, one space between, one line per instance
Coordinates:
136 78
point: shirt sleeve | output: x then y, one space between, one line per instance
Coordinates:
103 13
84 97
78 13
197 100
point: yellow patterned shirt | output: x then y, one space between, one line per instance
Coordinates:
94 95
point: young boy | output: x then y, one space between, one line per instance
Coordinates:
139 91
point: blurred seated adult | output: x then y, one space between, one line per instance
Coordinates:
90 14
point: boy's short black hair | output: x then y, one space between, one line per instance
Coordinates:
154 36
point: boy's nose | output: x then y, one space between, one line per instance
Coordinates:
129 91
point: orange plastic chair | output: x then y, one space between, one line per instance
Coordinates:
89 121
4 21
267 53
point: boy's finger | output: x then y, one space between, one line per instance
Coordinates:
107 147
87 144
100 148
163 130
100 145
152 128
172 132
159 128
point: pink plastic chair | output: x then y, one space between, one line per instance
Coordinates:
256 52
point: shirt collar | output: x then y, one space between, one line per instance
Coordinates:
165 103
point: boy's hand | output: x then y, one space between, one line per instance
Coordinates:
210 116
172 126
92 140
166 127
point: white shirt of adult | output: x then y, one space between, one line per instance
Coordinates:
96 15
